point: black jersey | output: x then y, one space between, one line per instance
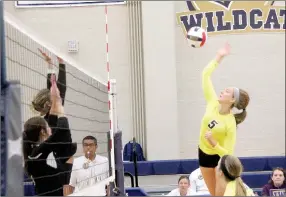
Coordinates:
61 83
46 164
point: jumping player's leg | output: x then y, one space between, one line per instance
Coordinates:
208 164
209 178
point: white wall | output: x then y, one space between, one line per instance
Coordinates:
160 81
174 100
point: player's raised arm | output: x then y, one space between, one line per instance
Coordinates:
56 106
51 68
208 88
61 81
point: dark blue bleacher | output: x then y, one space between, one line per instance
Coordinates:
169 167
189 165
251 164
274 162
256 180
257 168
135 191
145 168
173 167
29 188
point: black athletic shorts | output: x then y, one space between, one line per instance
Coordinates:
208 161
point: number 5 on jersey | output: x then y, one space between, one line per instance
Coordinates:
212 124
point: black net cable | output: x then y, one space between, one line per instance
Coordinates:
41 57
75 116
59 158
79 130
106 172
59 173
68 101
57 143
44 76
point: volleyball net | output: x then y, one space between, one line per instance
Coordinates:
88 104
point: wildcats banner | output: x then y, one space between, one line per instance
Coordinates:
30 4
233 17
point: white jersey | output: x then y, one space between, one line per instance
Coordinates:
97 170
176 192
198 185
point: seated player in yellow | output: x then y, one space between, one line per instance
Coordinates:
228 179
218 126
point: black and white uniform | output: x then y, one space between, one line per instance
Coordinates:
46 164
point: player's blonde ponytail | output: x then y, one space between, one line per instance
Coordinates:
42 100
232 169
241 105
239 118
240 189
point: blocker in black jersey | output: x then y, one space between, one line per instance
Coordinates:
47 162
42 101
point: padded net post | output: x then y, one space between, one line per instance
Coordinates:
2 45
119 167
2 76
13 125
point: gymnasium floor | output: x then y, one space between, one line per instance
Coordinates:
156 184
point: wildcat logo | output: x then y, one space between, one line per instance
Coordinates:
228 17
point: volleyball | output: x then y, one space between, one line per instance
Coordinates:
197 37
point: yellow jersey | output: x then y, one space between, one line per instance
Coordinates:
231 189
223 127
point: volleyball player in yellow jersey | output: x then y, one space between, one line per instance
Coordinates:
218 127
228 179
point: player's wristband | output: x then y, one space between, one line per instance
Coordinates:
51 71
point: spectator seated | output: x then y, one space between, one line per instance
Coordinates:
257 169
